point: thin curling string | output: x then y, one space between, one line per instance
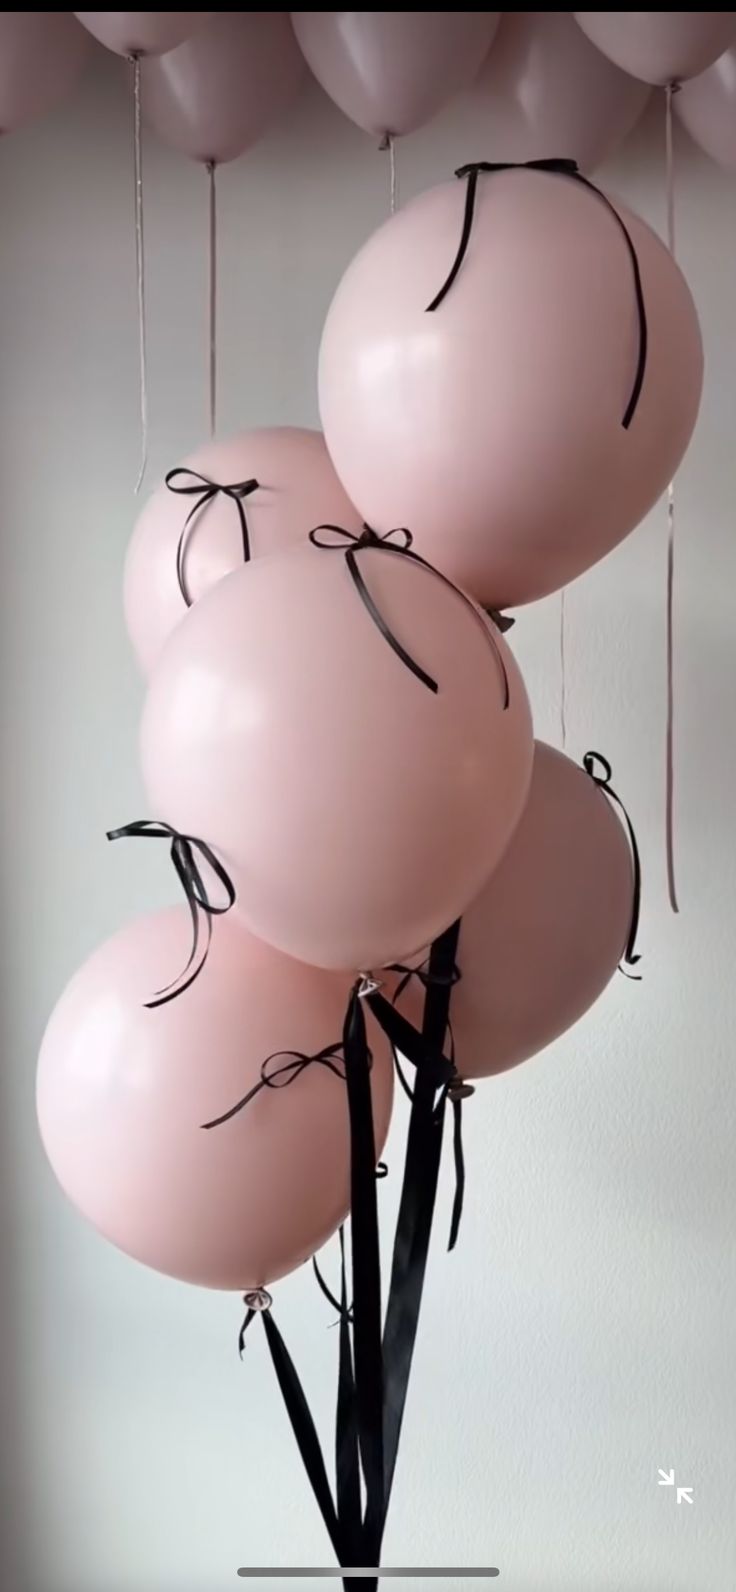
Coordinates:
212 292
135 62
670 600
387 142
563 672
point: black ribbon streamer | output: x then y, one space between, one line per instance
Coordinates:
398 542
562 168
191 484
603 781
183 855
418 1195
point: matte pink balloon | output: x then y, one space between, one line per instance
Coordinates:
140 32
357 811
42 57
545 936
392 71
123 1093
549 92
706 106
214 96
659 46
492 426
297 490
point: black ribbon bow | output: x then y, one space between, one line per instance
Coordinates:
398 542
189 873
603 780
191 484
294 1063
562 168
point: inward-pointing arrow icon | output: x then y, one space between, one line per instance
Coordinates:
686 1493
668 1479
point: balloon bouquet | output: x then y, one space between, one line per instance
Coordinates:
376 857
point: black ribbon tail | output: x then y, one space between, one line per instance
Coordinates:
366 1273
304 1430
458 1201
416 1208
631 956
563 168
347 1454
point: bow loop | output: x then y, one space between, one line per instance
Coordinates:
592 762
280 1069
185 851
553 163
189 483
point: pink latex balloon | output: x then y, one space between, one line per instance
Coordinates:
545 936
392 71
706 106
214 96
123 1093
42 56
297 490
659 46
492 426
357 811
549 92
140 32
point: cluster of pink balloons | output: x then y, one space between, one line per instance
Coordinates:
509 374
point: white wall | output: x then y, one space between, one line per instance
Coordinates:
582 1334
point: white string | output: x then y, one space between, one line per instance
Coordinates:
387 142
212 294
563 674
670 90
139 265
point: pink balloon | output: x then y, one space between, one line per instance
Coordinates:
659 46
123 1093
706 106
492 426
549 92
357 811
297 490
140 32
392 71
214 96
545 936
42 56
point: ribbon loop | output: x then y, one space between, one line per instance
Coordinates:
398 542
564 168
592 761
184 850
189 483
295 1062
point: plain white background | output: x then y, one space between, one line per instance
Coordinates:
582 1334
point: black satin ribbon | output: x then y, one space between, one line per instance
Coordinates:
562 168
294 1064
192 484
399 542
301 1421
603 781
184 849
366 1275
418 1195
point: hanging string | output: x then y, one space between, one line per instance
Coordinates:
387 142
135 62
563 674
670 90
212 293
